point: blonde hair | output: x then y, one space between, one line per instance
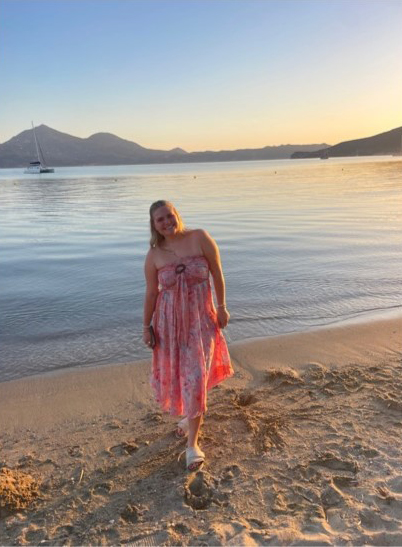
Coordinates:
156 238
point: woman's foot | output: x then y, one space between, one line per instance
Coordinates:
195 458
182 429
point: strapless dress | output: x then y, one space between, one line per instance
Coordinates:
191 355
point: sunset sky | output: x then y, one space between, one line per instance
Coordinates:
202 74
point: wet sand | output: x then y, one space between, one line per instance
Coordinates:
303 447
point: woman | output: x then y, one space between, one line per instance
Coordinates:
190 355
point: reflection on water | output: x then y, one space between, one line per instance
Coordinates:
303 243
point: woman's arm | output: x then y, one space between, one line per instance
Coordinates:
151 294
211 252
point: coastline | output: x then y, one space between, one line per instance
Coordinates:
98 389
303 446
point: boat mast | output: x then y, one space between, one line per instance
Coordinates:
36 142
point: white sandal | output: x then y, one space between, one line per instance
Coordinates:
182 429
194 456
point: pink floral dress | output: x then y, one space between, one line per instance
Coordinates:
191 355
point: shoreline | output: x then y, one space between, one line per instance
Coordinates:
100 388
303 447
359 318
217 161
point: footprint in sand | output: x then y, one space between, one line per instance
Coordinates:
287 377
332 496
343 482
131 513
330 461
245 398
27 460
123 449
200 492
230 473
75 451
182 528
154 417
374 520
102 489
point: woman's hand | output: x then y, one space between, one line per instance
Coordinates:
223 317
147 338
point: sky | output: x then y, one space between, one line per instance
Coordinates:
202 74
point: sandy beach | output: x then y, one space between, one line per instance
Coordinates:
303 447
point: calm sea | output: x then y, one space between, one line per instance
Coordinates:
304 243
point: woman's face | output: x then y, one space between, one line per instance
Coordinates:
165 221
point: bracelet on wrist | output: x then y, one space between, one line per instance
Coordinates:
146 327
221 306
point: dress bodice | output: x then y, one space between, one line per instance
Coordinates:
191 269
178 280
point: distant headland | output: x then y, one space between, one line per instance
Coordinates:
382 144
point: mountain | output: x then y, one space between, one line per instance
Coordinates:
61 149
386 143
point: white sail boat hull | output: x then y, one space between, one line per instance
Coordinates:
37 168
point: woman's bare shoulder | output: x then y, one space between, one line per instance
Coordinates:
199 234
150 257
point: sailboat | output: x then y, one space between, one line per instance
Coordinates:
39 166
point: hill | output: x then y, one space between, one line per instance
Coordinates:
61 149
386 143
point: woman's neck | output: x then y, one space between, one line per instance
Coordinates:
171 240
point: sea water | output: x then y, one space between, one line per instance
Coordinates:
304 243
